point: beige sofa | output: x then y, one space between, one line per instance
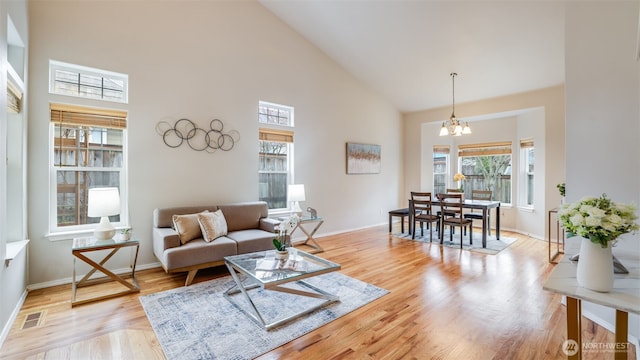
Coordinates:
248 229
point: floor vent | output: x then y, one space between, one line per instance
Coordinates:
33 320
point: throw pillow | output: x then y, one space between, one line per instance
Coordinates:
213 225
187 227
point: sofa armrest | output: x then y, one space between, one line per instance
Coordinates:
163 239
269 224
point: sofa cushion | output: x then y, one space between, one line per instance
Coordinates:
252 240
187 226
247 215
197 252
213 225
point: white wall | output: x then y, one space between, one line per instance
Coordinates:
534 114
205 60
603 112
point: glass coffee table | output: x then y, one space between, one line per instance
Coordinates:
263 270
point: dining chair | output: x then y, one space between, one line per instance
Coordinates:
484 195
423 213
453 191
451 207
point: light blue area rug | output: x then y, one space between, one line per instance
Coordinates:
198 322
494 245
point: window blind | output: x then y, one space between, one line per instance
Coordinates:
84 116
14 98
276 135
526 143
494 148
441 149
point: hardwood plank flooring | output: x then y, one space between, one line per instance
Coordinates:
444 303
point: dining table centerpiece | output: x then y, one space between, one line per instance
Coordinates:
459 178
598 222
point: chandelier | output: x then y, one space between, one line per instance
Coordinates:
454 126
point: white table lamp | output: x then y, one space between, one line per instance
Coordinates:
104 202
295 193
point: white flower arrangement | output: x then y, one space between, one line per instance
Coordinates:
287 226
598 219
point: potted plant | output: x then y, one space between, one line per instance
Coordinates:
283 241
126 234
599 222
562 189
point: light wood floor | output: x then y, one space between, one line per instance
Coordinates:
444 303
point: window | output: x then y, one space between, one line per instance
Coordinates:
275 154
527 159
487 167
85 82
440 168
88 149
274 114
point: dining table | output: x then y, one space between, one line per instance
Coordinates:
484 205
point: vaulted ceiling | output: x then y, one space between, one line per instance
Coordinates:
407 49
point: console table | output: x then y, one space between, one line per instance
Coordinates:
90 244
559 241
625 298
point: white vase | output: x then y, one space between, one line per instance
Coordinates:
595 266
282 255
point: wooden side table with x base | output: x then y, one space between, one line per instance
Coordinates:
90 244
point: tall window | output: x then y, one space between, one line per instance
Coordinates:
527 159
88 150
440 168
275 154
487 167
85 82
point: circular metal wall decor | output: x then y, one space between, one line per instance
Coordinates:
198 139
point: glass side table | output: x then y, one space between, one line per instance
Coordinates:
308 226
84 245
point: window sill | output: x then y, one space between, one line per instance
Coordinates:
67 235
13 249
529 209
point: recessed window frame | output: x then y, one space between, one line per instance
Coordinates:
441 153
276 122
527 174
501 148
97 123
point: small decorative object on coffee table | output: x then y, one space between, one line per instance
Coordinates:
283 241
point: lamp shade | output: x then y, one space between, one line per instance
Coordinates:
103 202
295 192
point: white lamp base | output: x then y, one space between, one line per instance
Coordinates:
105 230
296 209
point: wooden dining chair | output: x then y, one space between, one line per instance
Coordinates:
451 207
423 213
484 195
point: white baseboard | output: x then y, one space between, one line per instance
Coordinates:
12 319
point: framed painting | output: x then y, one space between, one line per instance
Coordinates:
363 158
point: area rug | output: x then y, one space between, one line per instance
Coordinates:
494 245
198 322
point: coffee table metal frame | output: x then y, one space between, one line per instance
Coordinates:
245 264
